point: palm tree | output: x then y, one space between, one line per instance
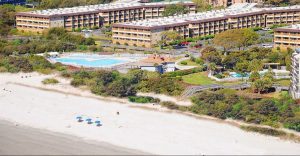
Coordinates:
211 68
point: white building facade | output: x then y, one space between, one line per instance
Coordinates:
295 83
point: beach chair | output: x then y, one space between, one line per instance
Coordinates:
79 118
89 121
98 123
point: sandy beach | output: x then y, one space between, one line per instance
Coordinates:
27 102
22 140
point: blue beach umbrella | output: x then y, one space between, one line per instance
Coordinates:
79 117
98 123
89 120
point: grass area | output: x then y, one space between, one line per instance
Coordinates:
189 63
283 82
202 79
198 79
50 81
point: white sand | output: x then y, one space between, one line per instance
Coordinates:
177 100
145 130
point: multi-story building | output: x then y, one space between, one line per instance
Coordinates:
92 15
148 32
226 3
288 36
14 2
295 81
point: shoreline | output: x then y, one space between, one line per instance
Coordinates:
150 128
19 139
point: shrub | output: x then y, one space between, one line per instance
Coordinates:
50 81
293 123
59 66
257 28
3 70
266 107
220 76
77 82
183 63
193 59
169 105
143 99
93 48
199 61
66 74
263 130
161 86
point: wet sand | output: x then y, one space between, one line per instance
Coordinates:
22 140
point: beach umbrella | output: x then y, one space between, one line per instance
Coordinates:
79 118
98 123
88 120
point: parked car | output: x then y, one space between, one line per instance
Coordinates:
266 29
267 45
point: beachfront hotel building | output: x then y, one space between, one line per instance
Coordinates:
226 3
295 81
147 33
92 15
288 36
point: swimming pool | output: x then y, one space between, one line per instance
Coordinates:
237 75
92 60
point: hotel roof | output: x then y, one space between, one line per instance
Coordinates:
235 10
290 28
98 8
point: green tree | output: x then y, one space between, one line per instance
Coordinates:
202 5
236 38
175 9
210 54
265 82
170 36
211 67
242 67
254 76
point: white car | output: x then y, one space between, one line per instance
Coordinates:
267 45
266 29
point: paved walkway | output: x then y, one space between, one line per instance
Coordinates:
194 89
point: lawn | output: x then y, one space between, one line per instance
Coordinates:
283 82
202 79
198 79
189 63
